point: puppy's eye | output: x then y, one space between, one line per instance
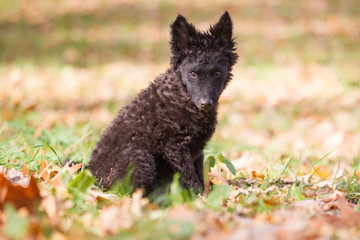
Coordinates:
217 74
193 74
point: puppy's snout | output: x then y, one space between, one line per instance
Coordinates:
205 104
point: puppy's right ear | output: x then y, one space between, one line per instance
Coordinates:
182 34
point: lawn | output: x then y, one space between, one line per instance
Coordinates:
283 162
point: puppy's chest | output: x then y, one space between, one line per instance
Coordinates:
196 136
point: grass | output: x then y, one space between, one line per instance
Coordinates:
67 69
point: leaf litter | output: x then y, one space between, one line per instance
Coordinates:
295 94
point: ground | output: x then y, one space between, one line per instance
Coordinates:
283 161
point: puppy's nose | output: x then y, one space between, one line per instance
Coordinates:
205 104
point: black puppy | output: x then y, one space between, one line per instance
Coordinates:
166 127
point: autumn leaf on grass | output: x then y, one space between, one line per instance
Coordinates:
74 168
100 196
348 218
18 195
50 207
48 171
25 170
273 200
321 172
258 176
216 177
114 218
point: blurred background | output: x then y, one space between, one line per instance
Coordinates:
70 65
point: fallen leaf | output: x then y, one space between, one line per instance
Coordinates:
18 195
138 202
14 175
348 216
305 179
48 172
43 170
25 170
101 196
113 218
74 168
48 204
258 176
216 177
322 172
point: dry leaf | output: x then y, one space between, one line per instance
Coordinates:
48 172
74 168
258 176
216 177
18 195
25 170
113 218
101 196
48 204
43 171
348 216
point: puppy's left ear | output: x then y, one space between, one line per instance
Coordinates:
222 30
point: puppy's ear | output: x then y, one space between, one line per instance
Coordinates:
182 34
222 30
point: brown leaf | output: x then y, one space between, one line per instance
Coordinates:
74 168
56 181
216 177
99 196
348 218
49 205
258 176
18 195
43 171
48 172
113 218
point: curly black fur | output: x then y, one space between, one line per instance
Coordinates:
166 127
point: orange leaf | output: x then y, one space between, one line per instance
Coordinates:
258 176
348 218
18 195
43 171
322 172
25 170
48 172
74 168
216 177
56 181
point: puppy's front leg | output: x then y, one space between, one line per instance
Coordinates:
181 161
198 162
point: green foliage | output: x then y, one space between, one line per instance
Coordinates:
179 194
173 194
16 226
208 164
124 187
160 228
351 185
79 186
211 161
52 47
296 193
217 195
